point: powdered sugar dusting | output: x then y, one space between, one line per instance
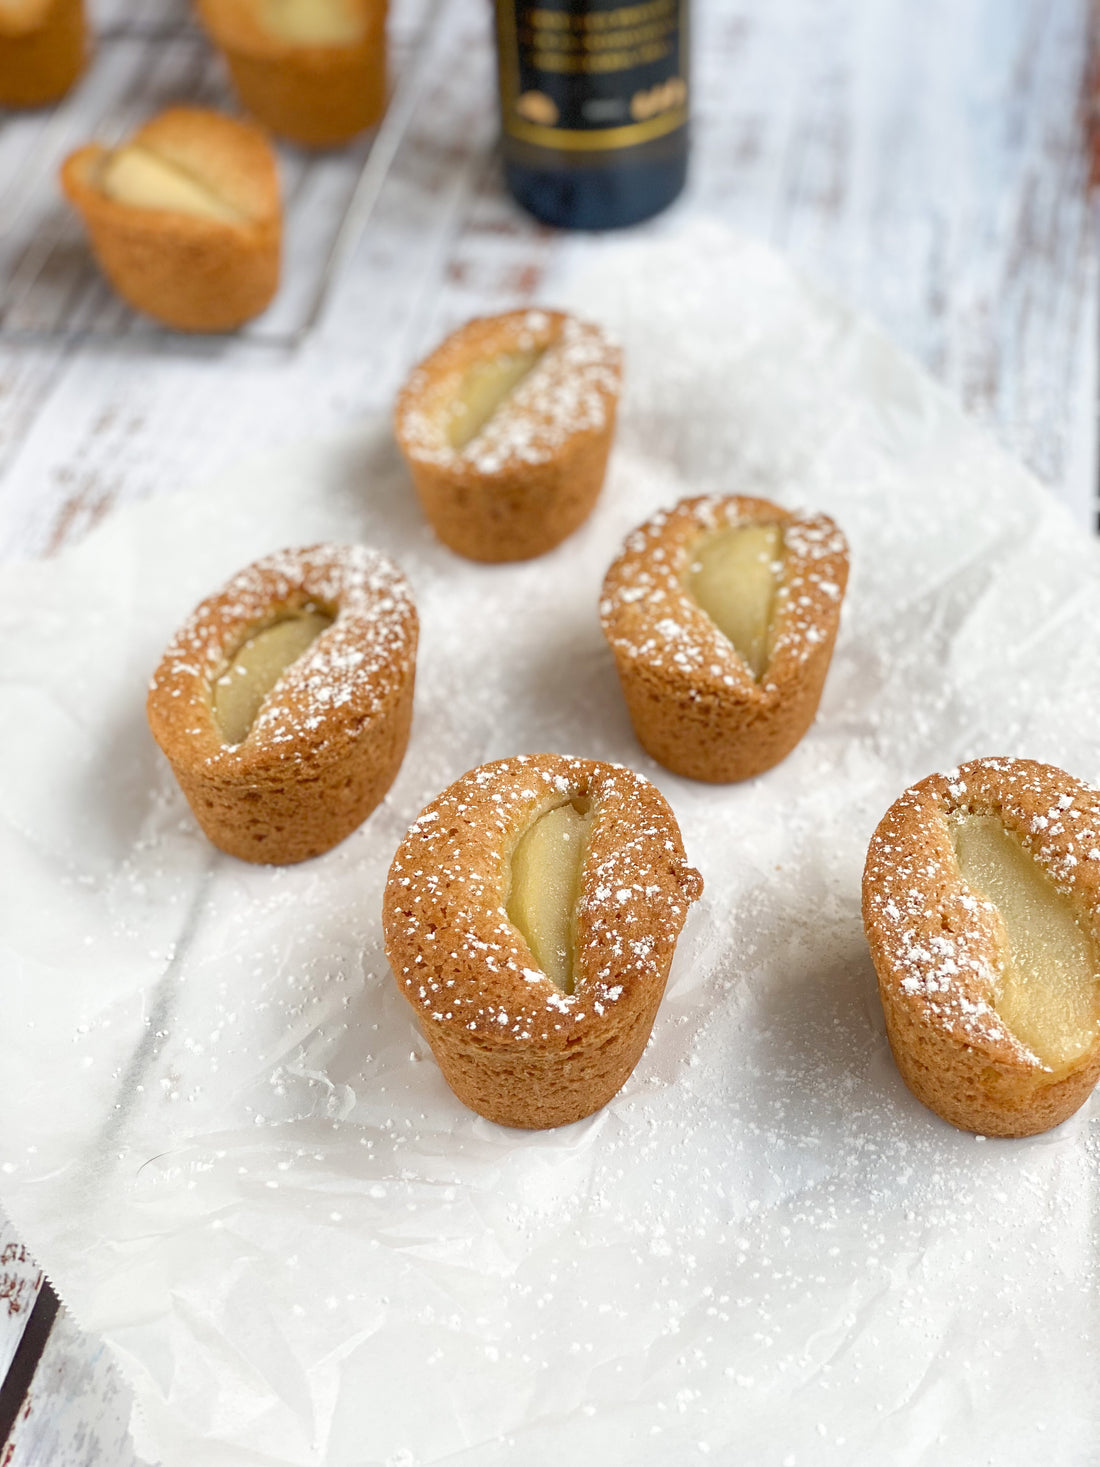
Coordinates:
570 391
453 947
351 670
650 617
764 1245
939 941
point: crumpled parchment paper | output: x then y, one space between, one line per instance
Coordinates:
225 1141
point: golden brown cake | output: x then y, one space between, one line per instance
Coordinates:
981 903
530 917
43 49
722 614
313 71
184 218
283 702
506 429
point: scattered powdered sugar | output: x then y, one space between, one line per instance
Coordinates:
650 617
349 672
915 894
568 392
571 390
454 947
763 1245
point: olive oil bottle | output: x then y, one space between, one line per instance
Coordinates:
594 107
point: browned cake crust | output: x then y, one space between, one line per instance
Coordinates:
937 948
192 273
533 475
319 96
694 703
331 735
43 49
509 1043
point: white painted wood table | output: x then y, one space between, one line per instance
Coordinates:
927 158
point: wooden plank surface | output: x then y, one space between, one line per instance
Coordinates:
20 1283
77 1411
925 159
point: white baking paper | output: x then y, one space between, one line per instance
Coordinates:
224 1139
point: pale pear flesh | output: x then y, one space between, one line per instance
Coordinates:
312 22
545 888
1049 994
142 179
733 574
240 692
483 390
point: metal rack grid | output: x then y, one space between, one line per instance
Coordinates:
50 287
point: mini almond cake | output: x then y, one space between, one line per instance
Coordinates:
506 429
722 614
313 71
531 915
981 902
43 49
184 218
283 702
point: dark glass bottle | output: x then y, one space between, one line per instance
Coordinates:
594 107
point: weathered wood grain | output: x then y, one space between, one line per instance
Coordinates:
20 1283
927 160
77 1411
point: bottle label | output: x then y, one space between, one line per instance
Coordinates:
591 74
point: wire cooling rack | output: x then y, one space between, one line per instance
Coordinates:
51 288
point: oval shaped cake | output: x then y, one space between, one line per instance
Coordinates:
283 703
530 917
507 428
313 71
184 218
43 49
722 614
981 904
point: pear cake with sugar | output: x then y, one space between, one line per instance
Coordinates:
43 49
283 703
981 903
184 218
506 429
722 614
530 918
313 71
